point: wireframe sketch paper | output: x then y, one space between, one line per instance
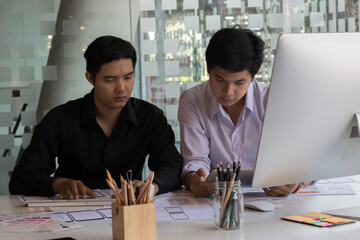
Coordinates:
103 199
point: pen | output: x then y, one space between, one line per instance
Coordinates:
143 191
226 209
238 168
234 165
149 183
150 193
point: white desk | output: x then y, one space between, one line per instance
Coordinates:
258 225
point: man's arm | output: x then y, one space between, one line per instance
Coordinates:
195 148
164 158
31 176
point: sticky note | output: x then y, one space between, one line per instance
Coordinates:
317 219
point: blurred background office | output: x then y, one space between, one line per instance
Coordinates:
42 42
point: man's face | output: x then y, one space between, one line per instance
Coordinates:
229 87
113 84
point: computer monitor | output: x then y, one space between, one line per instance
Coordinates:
310 130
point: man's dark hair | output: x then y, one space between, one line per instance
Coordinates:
235 50
106 49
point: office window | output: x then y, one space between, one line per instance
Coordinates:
42 42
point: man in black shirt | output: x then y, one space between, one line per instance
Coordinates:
106 129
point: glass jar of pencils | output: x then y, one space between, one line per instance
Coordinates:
228 205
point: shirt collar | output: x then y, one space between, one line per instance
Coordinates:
249 98
88 113
215 106
128 111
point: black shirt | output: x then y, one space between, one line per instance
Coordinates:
71 133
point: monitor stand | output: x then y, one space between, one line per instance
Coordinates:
352 148
357 115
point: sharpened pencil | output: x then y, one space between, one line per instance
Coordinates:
113 189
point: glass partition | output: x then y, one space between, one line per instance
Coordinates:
174 35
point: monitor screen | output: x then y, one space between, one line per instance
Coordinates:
310 129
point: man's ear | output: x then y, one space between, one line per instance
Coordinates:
90 78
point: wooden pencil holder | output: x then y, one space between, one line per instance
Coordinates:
133 222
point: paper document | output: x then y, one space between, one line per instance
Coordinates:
87 215
31 222
180 198
331 189
348 179
182 205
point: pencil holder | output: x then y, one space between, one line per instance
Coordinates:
228 206
133 222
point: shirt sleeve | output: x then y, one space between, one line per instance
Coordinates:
164 158
194 143
31 176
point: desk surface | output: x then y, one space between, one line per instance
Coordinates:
258 225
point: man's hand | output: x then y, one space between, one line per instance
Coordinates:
138 183
71 188
195 181
282 191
